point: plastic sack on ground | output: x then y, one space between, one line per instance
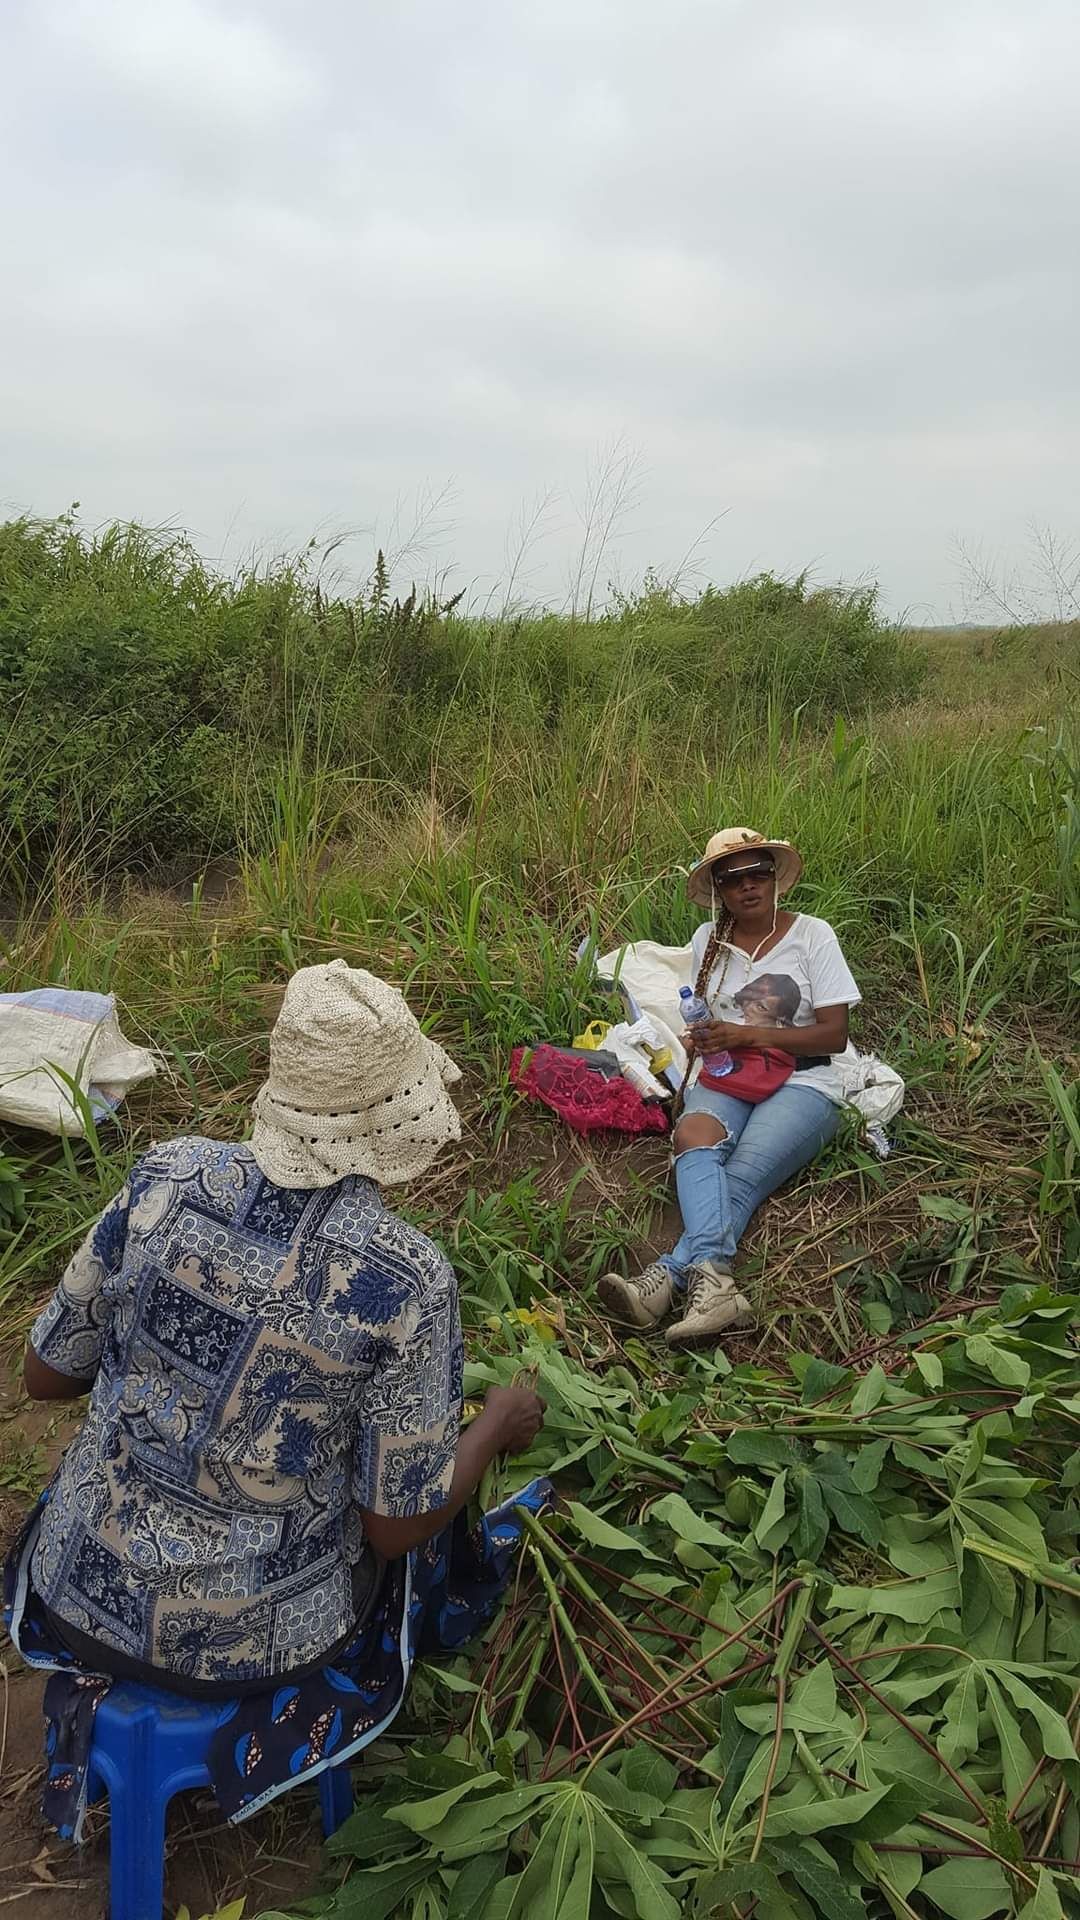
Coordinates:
59 1047
868 1084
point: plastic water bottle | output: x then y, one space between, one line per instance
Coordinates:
695 1009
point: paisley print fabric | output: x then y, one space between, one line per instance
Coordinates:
431 1602
265 1361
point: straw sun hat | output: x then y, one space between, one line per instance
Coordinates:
701 880
354 1086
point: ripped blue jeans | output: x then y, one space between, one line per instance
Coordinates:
721 1187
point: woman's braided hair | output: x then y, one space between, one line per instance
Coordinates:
720 933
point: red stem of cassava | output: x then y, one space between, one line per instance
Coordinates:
619 1733
927 1745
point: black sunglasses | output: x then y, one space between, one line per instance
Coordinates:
732 878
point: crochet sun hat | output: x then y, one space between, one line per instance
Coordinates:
702 879
354 1086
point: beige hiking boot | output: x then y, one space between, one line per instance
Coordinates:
713 1306
644 1301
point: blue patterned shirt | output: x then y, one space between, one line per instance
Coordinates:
265 1361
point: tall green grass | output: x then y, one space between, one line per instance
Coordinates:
149 704
460 803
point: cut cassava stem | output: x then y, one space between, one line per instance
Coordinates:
699 1666
569 1630
567 1693
565 1561
521 1701
928 1746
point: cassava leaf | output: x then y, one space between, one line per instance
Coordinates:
967 1889
959 1737
1007 1368
931 1369
646 1771
773 1510
470 1895
680 1516
821 1815
1016 1757
1044 1903
1053 1726
420 1816
854 1512
822 1377
557 1882
480 1826
749 1786
751 1447
868 1394
916 1601
600 1533
377 1892
618 1861
832 1895
810 1708
715 1892
866 1471
812 1528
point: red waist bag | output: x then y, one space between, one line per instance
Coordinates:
757 1072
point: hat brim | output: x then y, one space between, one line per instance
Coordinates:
392 1141
701 884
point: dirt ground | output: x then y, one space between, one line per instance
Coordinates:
272 1859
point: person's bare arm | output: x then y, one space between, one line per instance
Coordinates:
829 1034
509 1423
42 1382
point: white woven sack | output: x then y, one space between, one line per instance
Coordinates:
52 1041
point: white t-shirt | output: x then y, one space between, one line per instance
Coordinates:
804 970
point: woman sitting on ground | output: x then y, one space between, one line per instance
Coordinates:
775 981
274 1360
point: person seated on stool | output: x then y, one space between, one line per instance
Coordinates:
273 1359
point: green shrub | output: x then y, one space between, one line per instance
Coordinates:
142 691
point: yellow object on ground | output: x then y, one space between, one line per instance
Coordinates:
594 1035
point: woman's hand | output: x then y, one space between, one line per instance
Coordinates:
714 1036
517 1415
508 1422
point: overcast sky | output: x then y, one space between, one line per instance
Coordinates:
810 267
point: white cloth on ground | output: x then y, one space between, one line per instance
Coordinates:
629 1043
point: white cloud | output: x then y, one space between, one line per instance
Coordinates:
294 262
188 57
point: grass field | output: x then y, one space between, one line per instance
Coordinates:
204 788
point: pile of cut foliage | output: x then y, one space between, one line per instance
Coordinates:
797 1644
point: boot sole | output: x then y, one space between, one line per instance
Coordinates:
615 1293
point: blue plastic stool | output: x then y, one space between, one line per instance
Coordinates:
148 1745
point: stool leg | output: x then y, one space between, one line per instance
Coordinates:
335 1798
136 1854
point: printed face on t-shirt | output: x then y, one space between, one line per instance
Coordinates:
771 1000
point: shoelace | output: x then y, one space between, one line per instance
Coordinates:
695 1289
655 1285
